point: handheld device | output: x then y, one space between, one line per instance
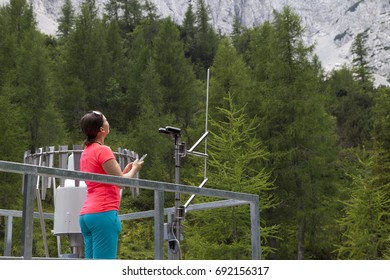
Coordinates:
143 157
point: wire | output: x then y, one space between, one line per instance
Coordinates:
176 241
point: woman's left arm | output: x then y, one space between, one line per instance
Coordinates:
111 167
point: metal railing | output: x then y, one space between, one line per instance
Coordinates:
32 172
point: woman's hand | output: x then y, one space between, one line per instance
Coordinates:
137 164
111 167
127 168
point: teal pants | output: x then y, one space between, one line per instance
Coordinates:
100 232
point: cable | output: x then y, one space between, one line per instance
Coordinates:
175 240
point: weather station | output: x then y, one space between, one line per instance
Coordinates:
173 230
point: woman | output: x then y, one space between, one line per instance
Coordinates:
99 221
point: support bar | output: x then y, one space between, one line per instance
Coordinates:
198 142
29 183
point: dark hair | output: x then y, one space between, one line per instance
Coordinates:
90 125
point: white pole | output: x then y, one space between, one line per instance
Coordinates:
206 125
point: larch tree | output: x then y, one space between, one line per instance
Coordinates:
366 221
236 163
301 140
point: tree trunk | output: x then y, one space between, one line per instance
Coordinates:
301 240
301 220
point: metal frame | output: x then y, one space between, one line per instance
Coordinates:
31 173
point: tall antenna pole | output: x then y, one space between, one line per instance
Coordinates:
204 137
207 120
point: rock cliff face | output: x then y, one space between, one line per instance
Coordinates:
330 24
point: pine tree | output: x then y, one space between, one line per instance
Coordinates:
116 70
86 56
240 37
127 12
112 9
29 76
139 51
291 51
143 130
261 51
66 21
352 107
237 30
13 143
360 62
180 89
352 99
230 75
16 20
188 32
206 40
381 126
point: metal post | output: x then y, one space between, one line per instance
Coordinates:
158 225
77 150
176 228
63 161
29 182
174 252
8 236
255 230
42 221
171 219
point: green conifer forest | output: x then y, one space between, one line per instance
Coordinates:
314 146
